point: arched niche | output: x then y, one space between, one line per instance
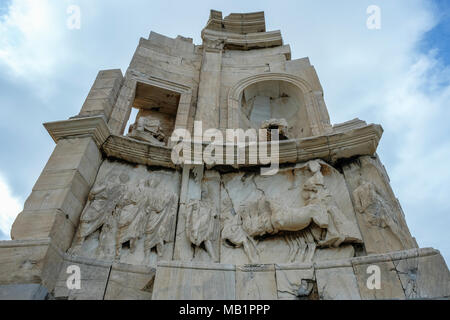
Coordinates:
277 100
275 96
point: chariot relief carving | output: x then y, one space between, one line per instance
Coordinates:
317 223
131 215
276 124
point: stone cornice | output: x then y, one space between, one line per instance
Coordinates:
358 141
25 243
95 127
242 23
340 145
331 148
244 41
135 151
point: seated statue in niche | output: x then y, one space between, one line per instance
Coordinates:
148 129
276 124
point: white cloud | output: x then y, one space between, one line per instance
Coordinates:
31 37
381 76
10 207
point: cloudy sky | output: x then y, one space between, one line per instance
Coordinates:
397 76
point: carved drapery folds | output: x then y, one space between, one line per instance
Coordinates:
302 213
200 225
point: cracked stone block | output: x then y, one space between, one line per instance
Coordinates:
390 285
336 281
94 276
176 280
128 282
294 282
424 277
256 282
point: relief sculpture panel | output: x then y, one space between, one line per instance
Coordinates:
130 215
378 211
301 214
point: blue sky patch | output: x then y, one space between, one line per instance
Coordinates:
439 37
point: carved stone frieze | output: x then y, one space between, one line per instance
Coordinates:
130 215
293 209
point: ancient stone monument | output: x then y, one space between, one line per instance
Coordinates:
113 208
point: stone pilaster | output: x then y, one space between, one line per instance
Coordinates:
122 108
103 94
53 209
209 87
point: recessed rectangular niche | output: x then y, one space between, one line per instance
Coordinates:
156 118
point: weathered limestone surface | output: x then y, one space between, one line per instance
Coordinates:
336 281
256 282
343 252
390 285
198 223
330 148
165 63
113 202
300 211
424 275
128 220
130 215
209 89
30 291
94 278
148 129
295 282
29 262
191 281
22 261
129 282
